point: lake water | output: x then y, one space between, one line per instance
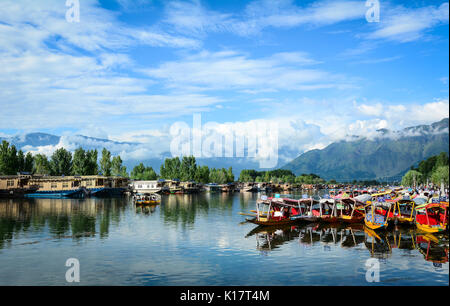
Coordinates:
200 240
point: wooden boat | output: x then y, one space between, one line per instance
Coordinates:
404 210
271 211
432 217
249 187
147 199
377 214
350 211
327 211
308 210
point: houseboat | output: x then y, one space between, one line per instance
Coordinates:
190 187
100 186
156 186
249 187
212 187
16 186
174 186
56 187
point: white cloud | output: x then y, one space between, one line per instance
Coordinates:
371 110
233 70
194 17
404 25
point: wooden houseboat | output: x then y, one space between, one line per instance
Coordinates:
57 187
16 186
249 187
174 186
156 186
190 187
212 187
100 186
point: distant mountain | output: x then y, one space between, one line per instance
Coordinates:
387 156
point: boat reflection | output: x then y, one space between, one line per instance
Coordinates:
379 244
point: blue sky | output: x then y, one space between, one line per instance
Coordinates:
130 69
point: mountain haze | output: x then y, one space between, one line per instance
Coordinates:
386 156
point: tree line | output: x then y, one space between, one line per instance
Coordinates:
61 162
87 162
279 176
432 170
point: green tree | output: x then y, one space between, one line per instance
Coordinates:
20 161
79 162
41 164
440 175
91 162
28 163
140 172
61 162
105 163
117 169
412 177
202 174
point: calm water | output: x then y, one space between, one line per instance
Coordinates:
199 240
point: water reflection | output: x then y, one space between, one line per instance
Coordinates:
198 239
62 218
379 244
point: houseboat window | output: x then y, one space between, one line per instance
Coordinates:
54 185
65 185
139 186
10 183
100 182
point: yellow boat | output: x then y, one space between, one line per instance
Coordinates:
404 211
432 217
377 215
147 199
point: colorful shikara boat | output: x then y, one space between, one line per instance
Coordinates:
309 210
272 211
350 210
432 217
327 210
378 214
147 199
404 211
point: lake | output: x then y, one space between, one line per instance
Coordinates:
201 240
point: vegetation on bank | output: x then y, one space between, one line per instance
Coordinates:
279 176
87 162
432 170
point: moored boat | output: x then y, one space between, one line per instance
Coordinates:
273 211
351 210
147 199
377 214
432 217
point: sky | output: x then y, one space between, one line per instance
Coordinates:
129 70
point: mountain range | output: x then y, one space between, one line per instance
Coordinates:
385 156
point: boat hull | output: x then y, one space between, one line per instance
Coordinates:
57 194
271 222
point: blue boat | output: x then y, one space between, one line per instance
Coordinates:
58 194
